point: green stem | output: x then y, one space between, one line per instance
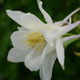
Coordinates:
68 34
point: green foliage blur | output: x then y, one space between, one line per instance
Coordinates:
58 10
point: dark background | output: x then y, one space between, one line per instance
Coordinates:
58 9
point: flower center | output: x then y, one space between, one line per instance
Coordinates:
34 39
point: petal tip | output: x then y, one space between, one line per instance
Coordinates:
78 8
8 60
63 67
7 11
28 66
39 2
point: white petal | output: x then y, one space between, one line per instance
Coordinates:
51 35
68 28
70 37
45 14
47 67
19 40
59 23
60 52
15 15
21 28
65 19
33 59
48 49
16 55
30 21
47 37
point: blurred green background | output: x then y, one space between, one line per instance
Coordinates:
58 9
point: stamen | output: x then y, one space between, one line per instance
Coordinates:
35 39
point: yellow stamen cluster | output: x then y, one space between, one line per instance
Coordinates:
35 39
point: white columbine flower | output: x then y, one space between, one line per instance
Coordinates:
38 44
